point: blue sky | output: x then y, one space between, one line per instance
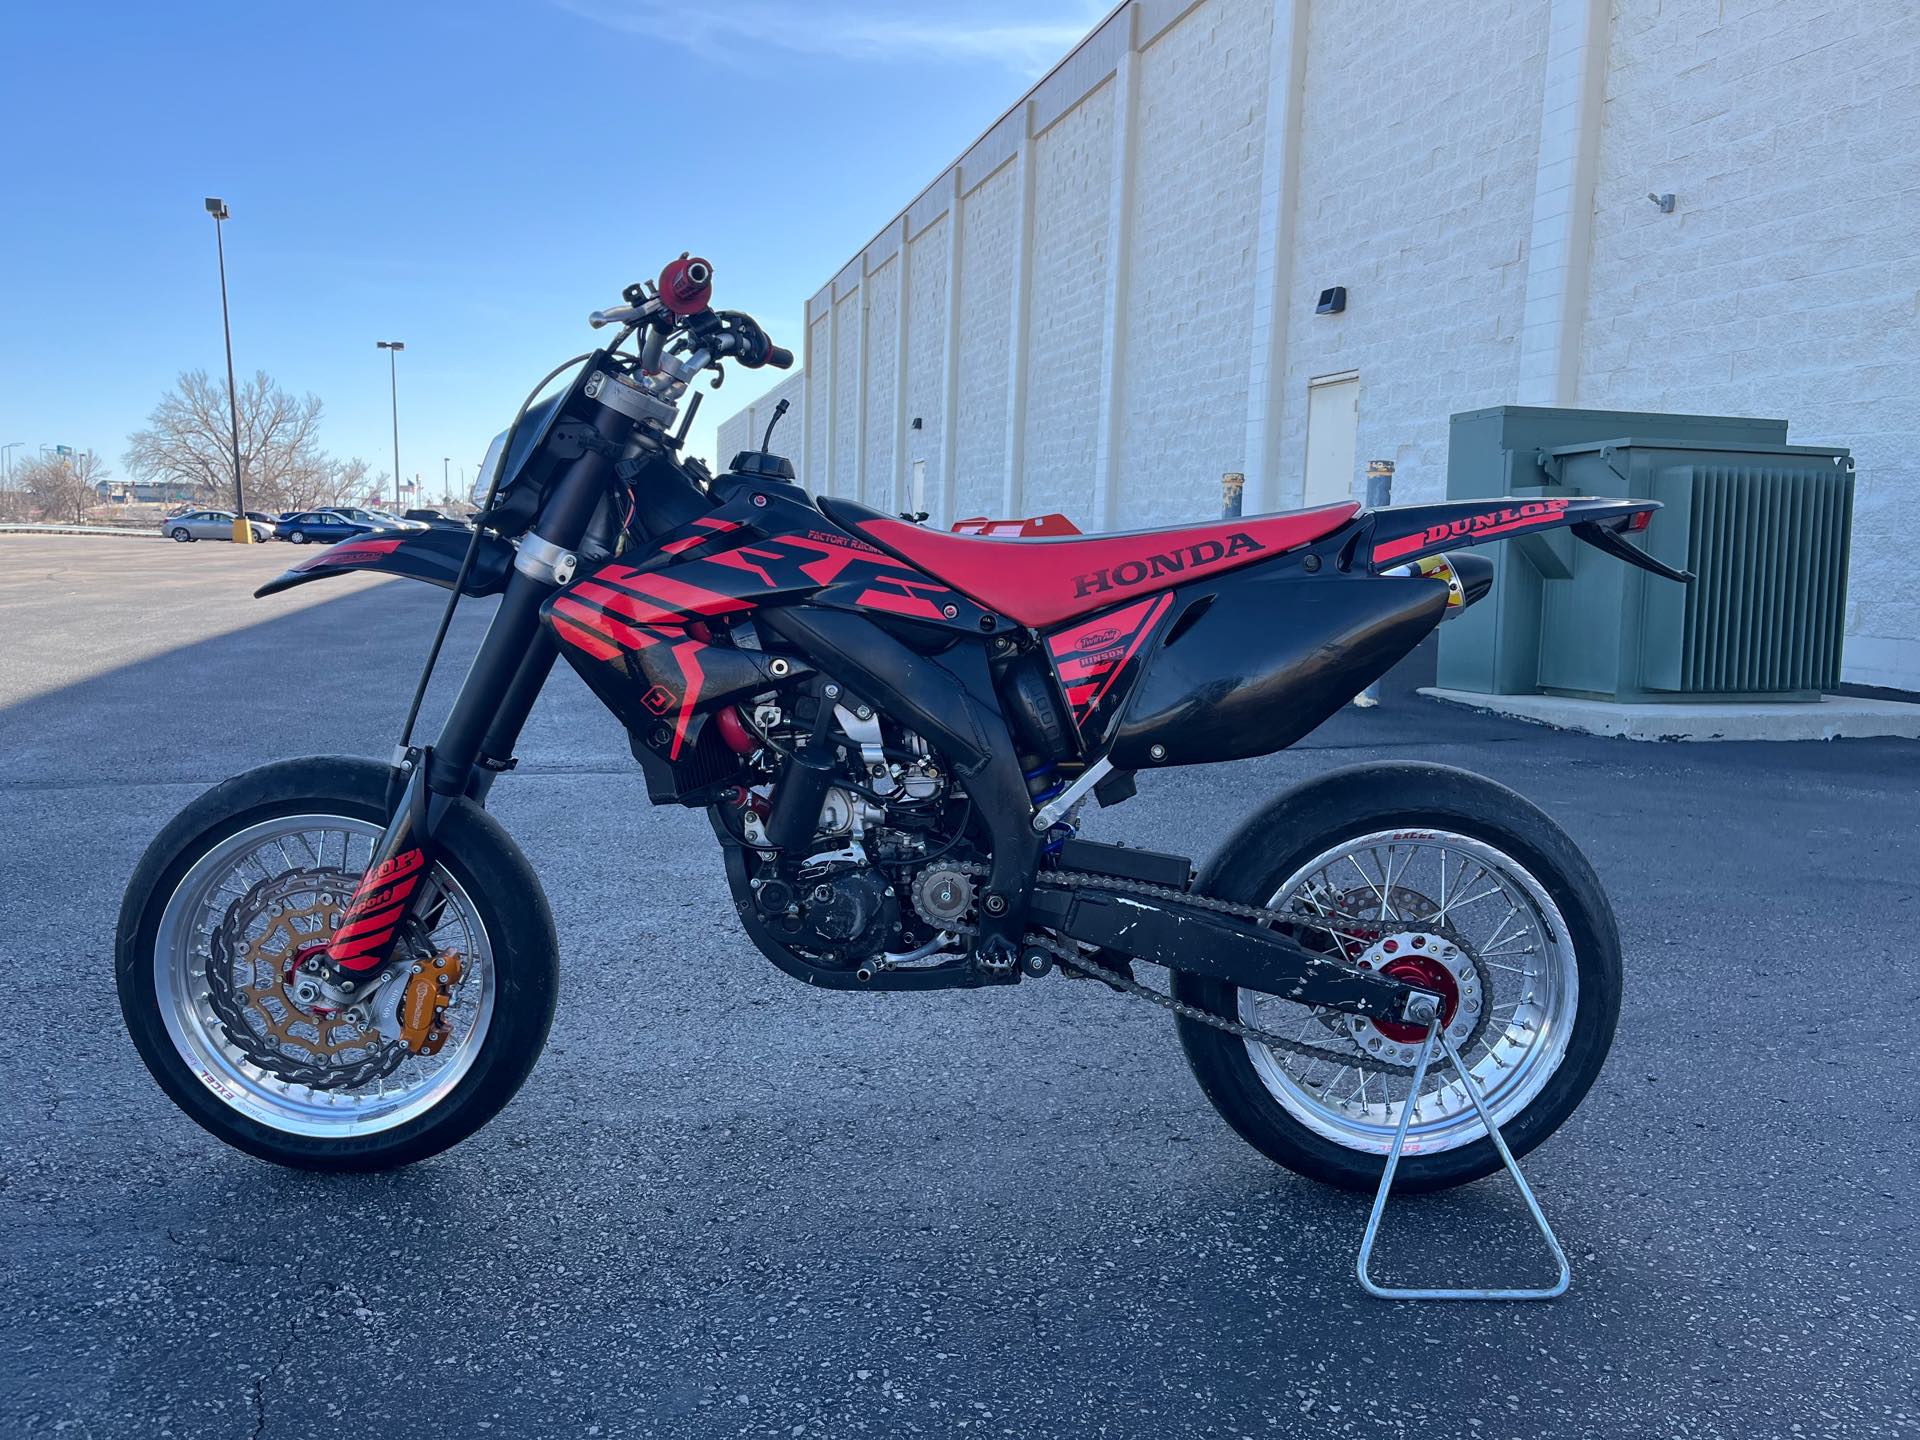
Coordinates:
470 178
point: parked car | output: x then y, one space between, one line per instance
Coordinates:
209 525
439 520
321 527
377 519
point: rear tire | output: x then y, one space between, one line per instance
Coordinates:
1247 1085
490 874
182 534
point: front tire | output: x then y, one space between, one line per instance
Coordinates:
298 537
1319 1117
196 949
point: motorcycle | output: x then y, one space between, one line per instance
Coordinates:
341 964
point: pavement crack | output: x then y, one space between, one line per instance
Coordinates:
283 1355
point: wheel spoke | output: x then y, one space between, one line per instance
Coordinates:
1442 882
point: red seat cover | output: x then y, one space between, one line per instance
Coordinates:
1042 582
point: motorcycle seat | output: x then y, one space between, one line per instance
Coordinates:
1042 582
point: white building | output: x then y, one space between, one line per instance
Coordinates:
1109 300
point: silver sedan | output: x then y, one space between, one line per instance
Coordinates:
208 525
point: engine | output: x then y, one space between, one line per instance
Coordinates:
848 812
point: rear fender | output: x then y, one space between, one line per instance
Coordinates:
1401 534
430 555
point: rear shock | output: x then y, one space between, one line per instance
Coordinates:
1044 784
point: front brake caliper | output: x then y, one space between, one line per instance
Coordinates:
423 1004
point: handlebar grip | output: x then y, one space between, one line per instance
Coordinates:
779 357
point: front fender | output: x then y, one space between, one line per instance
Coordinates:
430 555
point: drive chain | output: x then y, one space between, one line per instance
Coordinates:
1334 922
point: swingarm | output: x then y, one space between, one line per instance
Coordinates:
1185 937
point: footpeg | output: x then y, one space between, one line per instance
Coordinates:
1436 1034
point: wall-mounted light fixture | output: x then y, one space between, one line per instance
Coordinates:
1332 301
916 422
1665 202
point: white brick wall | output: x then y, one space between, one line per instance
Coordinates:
1193 237
1073 170
883 311
1424 219
1479 187
987 217
1787 280
926 355
744 428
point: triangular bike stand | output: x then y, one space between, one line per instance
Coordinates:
1435 1031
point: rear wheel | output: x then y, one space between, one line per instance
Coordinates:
182 534
1446 880
253 876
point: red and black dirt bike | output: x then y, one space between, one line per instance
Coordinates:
344 964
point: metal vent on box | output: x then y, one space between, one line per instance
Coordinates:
1769 544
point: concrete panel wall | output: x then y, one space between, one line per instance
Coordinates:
1109 299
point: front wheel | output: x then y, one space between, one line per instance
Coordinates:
298 537
256 873
1443 879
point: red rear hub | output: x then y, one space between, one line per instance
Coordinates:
1429 974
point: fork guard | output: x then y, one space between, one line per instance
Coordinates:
1201 942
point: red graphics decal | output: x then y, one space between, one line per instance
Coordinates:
349 553
1474 527
367 928
707 527
905 595
659 616
1090 656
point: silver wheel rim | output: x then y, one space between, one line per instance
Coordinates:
183 950
1501 918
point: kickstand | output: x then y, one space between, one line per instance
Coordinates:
1436 1032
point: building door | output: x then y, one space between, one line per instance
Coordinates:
1333 432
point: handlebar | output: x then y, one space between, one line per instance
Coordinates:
680 301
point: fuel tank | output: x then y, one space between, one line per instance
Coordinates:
1248 663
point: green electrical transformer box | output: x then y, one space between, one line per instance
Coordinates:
1763 525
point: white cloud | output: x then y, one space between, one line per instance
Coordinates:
1026 39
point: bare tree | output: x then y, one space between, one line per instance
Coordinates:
62 487
188 441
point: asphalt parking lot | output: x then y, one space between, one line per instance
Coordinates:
728 1205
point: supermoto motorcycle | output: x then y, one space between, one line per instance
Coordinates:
347 964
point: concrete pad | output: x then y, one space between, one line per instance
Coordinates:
1832 717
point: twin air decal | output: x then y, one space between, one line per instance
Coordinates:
1091 655
1474 527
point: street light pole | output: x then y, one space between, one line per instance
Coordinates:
393 349
6 465
242 527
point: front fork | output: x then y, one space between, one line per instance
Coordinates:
475 745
